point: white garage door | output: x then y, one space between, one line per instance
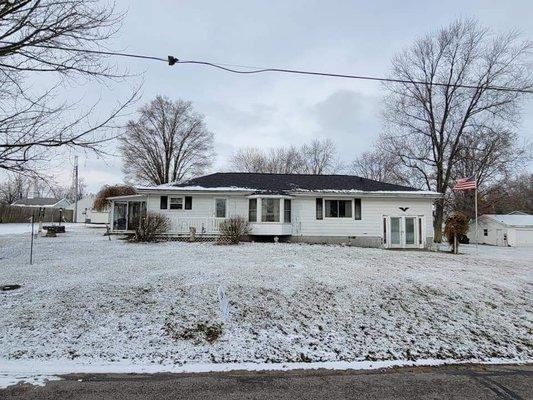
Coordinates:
524 237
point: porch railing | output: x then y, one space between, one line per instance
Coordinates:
204 226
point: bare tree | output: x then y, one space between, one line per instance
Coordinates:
15 187
320 157
69 191
169 142
55 37
281 160
317 157
510 195
428 124
249 159
18 186
381 166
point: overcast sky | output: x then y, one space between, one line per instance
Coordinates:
354 37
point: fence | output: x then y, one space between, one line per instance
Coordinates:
12 214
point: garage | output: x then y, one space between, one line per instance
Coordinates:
514 230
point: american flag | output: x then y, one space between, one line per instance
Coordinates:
465 184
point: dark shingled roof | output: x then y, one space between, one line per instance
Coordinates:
287 182
37 201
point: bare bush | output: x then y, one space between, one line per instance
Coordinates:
233 230
151 227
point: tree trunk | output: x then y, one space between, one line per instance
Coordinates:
438 220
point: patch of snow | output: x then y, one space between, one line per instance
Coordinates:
40 372
97 301
21 228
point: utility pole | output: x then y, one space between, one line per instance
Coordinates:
75 189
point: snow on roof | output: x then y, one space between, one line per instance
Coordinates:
512 219
170 187
286 184
37 201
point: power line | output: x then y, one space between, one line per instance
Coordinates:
171 60
361 77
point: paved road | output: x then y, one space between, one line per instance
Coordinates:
464 382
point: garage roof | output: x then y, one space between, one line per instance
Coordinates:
513 220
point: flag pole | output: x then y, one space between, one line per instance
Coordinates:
475 206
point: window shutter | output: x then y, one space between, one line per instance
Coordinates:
188 202
357 207
163 204
319 211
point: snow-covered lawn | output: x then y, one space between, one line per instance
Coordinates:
92 300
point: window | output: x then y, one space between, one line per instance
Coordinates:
485 232
252 210
384 230
269 210
220 208
319 212
357 207
176 203
419 230
287 211
188 202
338 208
163 203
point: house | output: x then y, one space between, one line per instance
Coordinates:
86 214
296 207
42 202
515 229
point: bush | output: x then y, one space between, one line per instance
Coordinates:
151 227
456 227
233 230
100 202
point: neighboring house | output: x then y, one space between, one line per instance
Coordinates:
515 229
302 208
86 214
42 202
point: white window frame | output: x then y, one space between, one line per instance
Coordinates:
225 207
337 199
170 203
280 210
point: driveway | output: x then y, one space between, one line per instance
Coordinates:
448 382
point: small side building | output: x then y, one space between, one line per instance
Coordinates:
86 214
515 230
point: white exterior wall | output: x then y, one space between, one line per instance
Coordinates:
202 211
85 212
522 237
492 229
371 222
304 223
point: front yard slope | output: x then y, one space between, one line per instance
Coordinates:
96 300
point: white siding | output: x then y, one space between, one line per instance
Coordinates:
521 237
203 208
370 224
304 222
85 211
